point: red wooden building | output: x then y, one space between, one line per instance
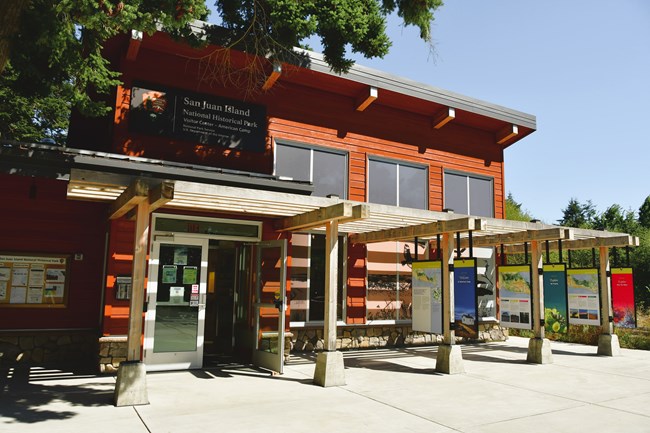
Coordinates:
238 185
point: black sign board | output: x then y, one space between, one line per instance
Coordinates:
205 119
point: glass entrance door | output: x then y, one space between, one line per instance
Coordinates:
176 291
270 305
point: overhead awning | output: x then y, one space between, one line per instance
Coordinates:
371 222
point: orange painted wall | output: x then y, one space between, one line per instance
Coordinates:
312 116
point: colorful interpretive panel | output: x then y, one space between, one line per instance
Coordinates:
623 298
465 304
33 280
514 296
556 312
427 297
583 295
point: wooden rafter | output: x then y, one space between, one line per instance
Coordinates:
366 99
422 230
134 45
273 77
506 133
443 117
519 237
321 216
584 244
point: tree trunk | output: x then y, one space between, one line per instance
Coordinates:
10 12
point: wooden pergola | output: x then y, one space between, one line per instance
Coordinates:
364 223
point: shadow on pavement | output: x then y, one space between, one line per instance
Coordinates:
25 390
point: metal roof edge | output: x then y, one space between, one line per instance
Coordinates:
388 81
57 157
374 77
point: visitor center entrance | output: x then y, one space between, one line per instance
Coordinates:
214 290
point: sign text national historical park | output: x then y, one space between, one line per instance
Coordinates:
204 119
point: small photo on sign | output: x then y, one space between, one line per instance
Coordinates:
53 274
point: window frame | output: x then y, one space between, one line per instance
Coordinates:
398 163
398 253
344 279
313 148
467 176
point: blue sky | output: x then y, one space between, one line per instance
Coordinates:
581 67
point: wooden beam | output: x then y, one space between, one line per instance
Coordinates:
359 212
584 244
606 312
331 283
507 133
519 237
422 230
443 117
273 77
161 195
134 45
136 193
158 197
138 272
320 217
364 100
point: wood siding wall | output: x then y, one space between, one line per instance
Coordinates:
37 218
313 116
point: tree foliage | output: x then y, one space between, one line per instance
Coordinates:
580 215
614 218
56 47
644 213
514 210
271 27
33 119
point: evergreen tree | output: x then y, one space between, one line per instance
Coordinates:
56 47
578 215
644 213
514 211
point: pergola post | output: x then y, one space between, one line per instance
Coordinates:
539 348
329 363
131 385
449 359
608 344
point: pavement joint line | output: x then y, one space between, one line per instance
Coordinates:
135 409
397 408
537 391
527 416
614 373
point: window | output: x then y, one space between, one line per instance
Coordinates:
397 184
308 278
469 194
389 280
326 169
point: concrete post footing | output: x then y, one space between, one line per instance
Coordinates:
608 345
539 351
449 359
330 370
131 385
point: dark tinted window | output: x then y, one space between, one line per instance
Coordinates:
413 187
382 182
329 173
292 161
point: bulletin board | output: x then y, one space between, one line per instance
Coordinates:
34 280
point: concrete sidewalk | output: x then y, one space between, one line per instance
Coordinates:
393 391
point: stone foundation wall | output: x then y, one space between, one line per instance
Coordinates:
373 337
112 351
52 348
